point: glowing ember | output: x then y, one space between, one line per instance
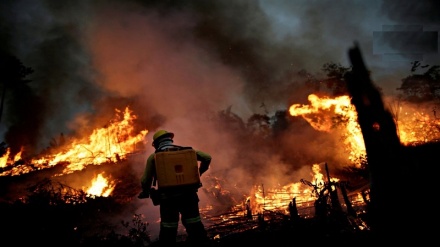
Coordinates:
101 186
416 125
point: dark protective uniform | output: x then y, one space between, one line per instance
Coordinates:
176 202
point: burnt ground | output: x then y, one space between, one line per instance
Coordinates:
43 217
277 229
37 222
291 234
306 231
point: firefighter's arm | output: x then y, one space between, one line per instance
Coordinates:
205 161
147 178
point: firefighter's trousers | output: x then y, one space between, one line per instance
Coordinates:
185 206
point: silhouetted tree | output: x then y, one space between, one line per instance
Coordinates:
335 81
421 87
13 73
21 104
259 124
280 122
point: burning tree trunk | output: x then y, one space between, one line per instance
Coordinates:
350 210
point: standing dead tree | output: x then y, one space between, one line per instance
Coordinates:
396 171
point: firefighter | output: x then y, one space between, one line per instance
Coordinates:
179 201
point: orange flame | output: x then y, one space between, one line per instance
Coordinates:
17 157
278 198
4 159
320 115
108 144
417 125
101 186
414 124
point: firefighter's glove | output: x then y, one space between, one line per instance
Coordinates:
143 195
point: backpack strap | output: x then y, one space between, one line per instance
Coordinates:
174 148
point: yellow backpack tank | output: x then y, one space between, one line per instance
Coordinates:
176 167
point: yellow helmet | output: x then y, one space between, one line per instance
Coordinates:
162 133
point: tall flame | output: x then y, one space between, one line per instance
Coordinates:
4 159
108 144
414 124
101 186
320 115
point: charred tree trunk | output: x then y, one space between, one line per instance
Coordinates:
321 207
391 217
336 204
248 209
293 210
350 210
364 197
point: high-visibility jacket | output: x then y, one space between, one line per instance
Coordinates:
150 172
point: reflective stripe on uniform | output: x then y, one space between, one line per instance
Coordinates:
192 220
169 224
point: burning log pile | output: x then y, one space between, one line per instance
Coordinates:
274 209
51 200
